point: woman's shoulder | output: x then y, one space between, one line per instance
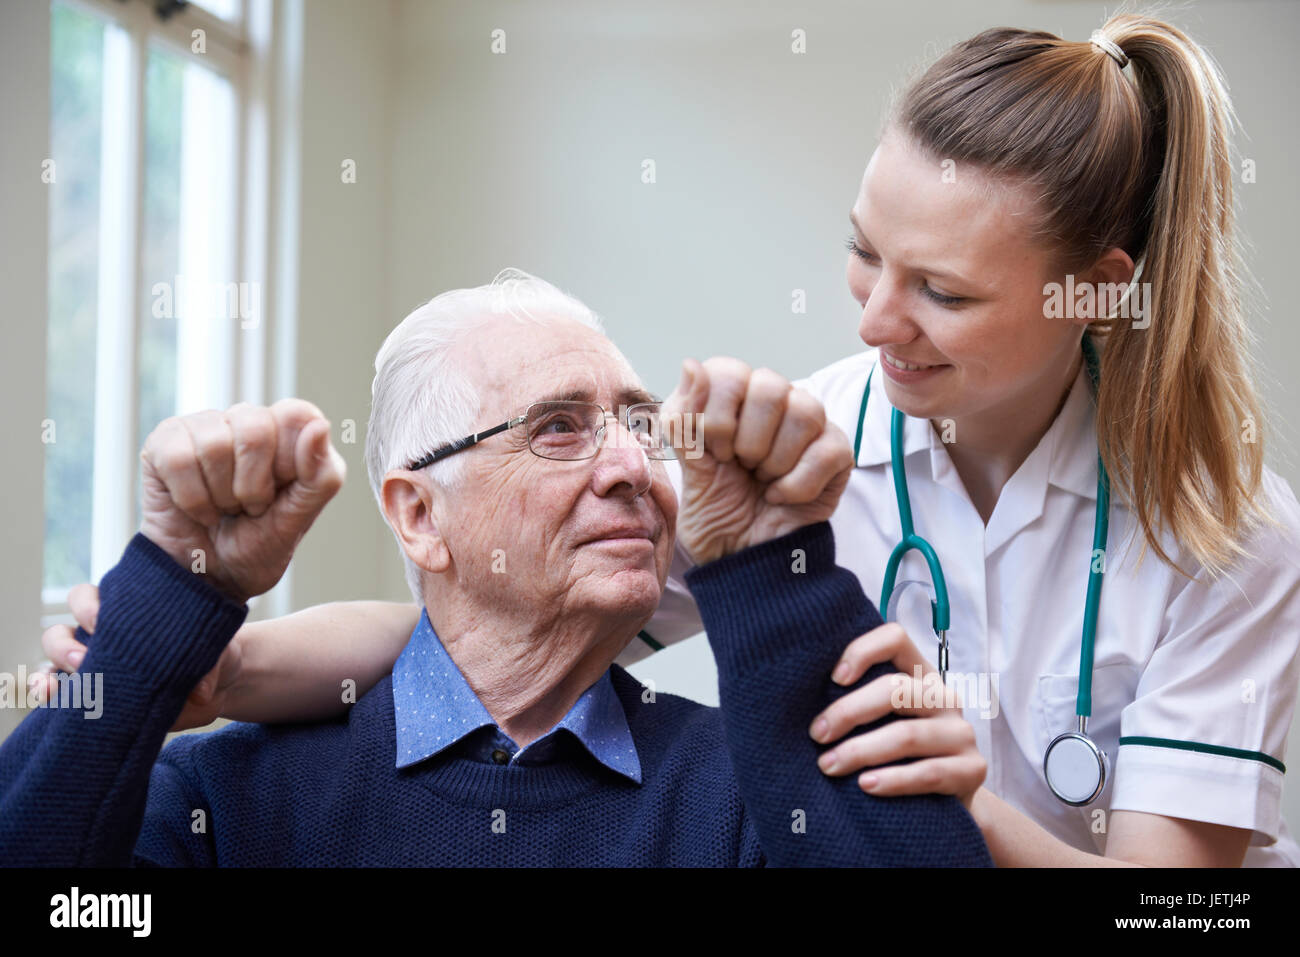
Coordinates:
1269 561
1279 500
1278 492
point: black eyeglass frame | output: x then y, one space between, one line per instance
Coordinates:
460 445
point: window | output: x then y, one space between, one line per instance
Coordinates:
156 306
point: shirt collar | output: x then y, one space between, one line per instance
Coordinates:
1074 437
435 707
1071 441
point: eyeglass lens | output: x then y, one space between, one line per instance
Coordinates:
571 430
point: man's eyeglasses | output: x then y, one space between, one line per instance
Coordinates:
567 431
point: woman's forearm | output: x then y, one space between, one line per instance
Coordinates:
296 668
1016 841
1133 839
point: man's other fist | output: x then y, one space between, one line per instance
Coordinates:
232 493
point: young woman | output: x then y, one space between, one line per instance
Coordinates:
1019 186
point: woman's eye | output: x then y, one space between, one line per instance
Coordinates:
940 297
852 246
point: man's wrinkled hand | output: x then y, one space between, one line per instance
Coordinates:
771 462
232 493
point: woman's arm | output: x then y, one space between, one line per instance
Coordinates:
1135 840
289 669
293 669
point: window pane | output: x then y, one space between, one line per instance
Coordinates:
158 259
76 101
190 300
225 9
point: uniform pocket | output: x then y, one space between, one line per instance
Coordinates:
1113 689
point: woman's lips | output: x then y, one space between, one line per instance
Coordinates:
908 376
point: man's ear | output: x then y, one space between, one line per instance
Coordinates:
411 505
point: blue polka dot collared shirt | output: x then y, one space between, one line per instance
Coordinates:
435 708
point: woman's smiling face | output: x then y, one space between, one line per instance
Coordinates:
943 264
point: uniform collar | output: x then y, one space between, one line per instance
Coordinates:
1074 441
1069 446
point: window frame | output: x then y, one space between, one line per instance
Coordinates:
243 52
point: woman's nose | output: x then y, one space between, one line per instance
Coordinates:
884 316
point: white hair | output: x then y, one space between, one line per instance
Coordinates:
421 399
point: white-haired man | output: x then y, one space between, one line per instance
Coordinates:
519 462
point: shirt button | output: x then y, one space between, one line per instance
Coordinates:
499 756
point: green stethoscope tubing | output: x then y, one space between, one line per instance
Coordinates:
940 606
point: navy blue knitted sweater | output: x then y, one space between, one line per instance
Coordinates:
97 792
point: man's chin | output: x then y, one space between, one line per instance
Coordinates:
623 592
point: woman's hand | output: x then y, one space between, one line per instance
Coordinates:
944 743
65 652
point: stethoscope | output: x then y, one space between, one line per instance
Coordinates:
1075 767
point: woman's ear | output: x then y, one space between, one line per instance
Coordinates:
411 505
1110 276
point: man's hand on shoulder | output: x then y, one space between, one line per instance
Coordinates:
238 489
766 460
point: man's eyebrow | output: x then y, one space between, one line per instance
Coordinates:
630 396
573 395
633 396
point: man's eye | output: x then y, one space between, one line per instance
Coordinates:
558 425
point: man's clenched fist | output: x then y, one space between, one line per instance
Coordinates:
242 486
771 462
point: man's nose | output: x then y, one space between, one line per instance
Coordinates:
622 466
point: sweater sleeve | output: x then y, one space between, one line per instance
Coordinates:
778 616
75 781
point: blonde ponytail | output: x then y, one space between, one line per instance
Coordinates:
1142 164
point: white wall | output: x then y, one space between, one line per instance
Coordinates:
24 198
343 292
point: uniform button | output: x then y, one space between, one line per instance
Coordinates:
499 756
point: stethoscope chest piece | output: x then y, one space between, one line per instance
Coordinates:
1075 768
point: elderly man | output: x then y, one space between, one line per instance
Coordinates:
518 460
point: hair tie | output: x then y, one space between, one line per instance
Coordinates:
1103 42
